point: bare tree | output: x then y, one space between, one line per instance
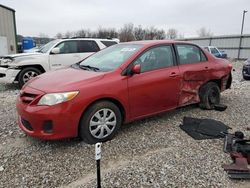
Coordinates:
59 35
69 34
150 33
203 32
139 33
181 36
107 33
160 34
43 35
81 33
154 34
127 33
172 33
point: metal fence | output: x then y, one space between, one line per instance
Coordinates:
236 46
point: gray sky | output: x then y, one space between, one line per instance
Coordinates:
221 17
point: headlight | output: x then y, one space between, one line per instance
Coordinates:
56 98
6 61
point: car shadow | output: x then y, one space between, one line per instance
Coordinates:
137 124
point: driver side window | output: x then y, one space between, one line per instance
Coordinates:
67 47
156 58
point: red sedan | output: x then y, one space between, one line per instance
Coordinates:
124 82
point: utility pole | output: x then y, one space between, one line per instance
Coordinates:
241 32
243 20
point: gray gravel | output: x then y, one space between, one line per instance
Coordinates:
149 153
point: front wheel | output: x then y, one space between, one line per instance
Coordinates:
209 95
100 122
26 74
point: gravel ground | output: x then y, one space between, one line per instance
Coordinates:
153 152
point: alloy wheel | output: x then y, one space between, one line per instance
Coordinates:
102 123
29 75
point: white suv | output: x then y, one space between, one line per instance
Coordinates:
54 55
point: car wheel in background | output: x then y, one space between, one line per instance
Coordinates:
209 95
100 122
26 74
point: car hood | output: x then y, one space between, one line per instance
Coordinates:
18 59
62 80
21 55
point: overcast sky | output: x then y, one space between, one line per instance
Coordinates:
221 17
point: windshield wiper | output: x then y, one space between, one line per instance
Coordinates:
89 67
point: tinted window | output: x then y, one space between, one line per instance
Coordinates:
108 43
189 54
156 58
87 46
67 47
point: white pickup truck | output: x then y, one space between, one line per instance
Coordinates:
54 55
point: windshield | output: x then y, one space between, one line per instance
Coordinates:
47 46
214 51
111 58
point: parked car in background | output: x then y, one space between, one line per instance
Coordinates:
246 70
122 83
216 52
54 55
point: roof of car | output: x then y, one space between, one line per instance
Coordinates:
155 42
96 39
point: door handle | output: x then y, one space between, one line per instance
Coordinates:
206 67
173 74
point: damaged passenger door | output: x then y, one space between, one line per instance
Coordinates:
194 68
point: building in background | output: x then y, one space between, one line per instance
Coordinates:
8 40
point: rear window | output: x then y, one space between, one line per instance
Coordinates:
189 54
108 43
87 46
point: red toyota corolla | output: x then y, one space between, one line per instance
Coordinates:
124 82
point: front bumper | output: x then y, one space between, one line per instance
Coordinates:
33 119
8 75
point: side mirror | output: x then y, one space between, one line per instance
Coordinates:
136 69
55 51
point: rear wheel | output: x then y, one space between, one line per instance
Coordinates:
26 74
100 122
209 95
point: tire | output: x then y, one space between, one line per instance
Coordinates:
246 77
26 74
209 95
92 134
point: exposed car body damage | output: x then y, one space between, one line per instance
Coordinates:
189 92
192 82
